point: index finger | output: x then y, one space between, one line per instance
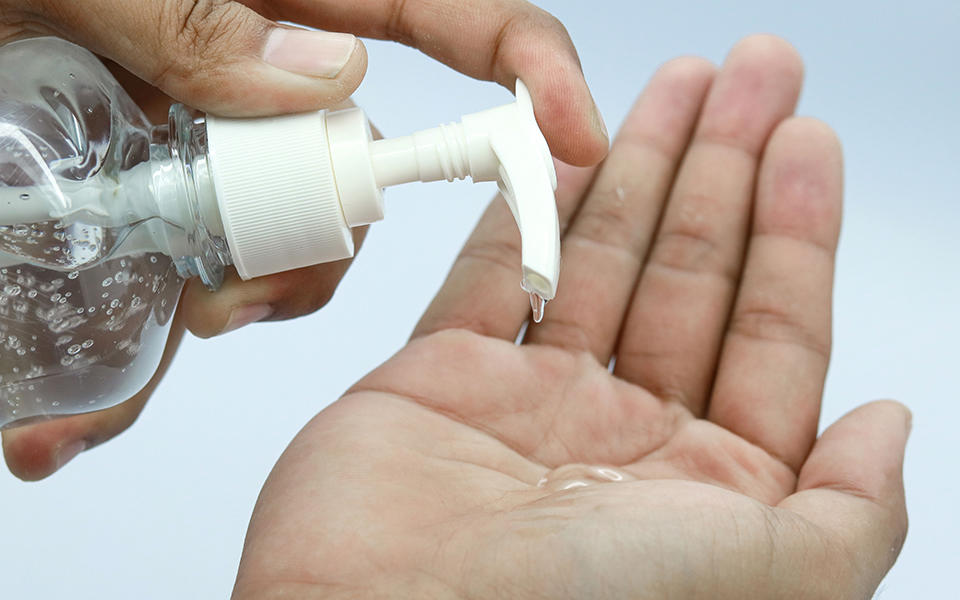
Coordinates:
495 40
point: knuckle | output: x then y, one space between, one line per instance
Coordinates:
200 31
566 333
770 324
544 21
691 249
522 22
398 26
504 253
200 23
609 220
461 320
500 40
301 298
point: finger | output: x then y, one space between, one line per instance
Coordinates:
276 297
482 292
851 487
215 55
675 323
154 103
777 347
608 239
496 40
36 451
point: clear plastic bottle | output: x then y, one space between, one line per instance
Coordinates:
80 328
103 216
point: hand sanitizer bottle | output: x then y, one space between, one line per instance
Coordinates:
103 216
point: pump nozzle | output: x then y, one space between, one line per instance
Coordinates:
502 144
527 180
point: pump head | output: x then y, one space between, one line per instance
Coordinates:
290 188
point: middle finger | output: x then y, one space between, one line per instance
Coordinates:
673 333
605 245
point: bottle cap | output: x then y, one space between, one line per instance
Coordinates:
276 192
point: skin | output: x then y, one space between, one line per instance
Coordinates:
208 54
701 256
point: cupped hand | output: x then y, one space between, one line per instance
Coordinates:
655 435
237 59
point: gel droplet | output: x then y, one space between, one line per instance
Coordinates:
573 476
537 303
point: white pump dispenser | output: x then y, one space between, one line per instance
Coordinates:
103 216
290 188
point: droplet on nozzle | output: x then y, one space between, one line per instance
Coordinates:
537 303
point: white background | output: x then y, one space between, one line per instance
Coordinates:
161 511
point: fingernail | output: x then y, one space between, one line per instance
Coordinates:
68 452
313 53
244 315
598 120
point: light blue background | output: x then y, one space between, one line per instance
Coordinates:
161 512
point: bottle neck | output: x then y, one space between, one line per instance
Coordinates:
182 190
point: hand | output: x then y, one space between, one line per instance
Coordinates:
229 58
700 255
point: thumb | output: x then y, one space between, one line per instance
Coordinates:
215 55
851 487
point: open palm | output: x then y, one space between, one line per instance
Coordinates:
655 435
